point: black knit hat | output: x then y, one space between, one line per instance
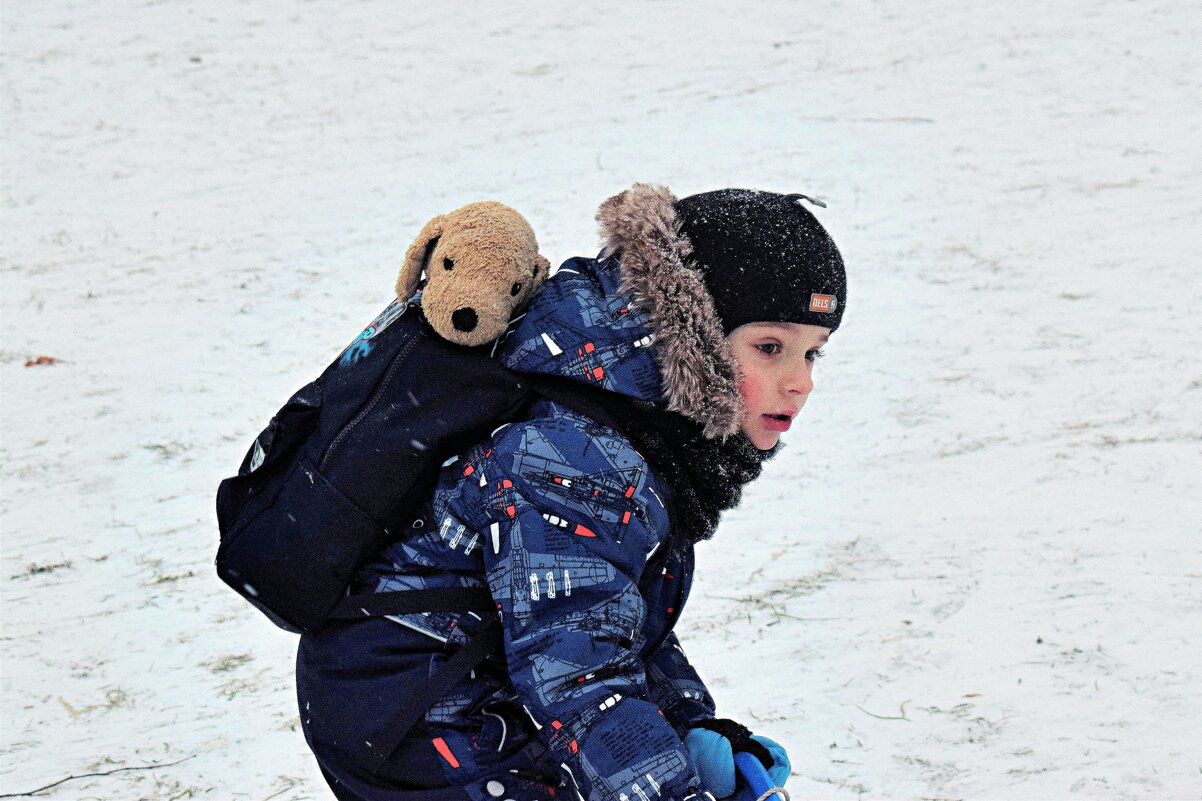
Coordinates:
764 257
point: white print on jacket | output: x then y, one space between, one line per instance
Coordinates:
550 580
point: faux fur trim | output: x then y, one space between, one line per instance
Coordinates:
699 372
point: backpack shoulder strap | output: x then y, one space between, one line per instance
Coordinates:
404 602
576 397
483 644
480 646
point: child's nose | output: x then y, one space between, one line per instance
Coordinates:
799 382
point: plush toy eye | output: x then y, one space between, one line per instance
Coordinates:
515 289
448 264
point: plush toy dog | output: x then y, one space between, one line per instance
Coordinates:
475 267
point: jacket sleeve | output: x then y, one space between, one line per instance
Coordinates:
677 689
571 522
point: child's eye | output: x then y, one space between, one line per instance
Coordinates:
767 347
814 355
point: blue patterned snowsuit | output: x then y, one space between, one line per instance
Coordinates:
558 516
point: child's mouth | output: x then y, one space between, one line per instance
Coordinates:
777 422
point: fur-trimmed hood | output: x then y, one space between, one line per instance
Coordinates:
636 320
699 371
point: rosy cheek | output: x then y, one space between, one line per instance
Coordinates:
749 389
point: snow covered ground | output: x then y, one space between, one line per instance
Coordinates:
975 573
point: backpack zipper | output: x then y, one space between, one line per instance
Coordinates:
376 394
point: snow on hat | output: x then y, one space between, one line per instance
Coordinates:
764 257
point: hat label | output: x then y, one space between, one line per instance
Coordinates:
823 303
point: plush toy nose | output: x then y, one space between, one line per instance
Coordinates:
464 319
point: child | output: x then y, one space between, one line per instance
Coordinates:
689 344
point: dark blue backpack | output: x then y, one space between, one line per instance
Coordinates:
347 460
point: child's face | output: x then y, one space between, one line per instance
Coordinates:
776 360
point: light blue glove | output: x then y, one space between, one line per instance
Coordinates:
781 767
779 772
713 756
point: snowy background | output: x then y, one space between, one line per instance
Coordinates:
976 572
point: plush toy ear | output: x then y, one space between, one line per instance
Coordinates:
417 258
541 268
